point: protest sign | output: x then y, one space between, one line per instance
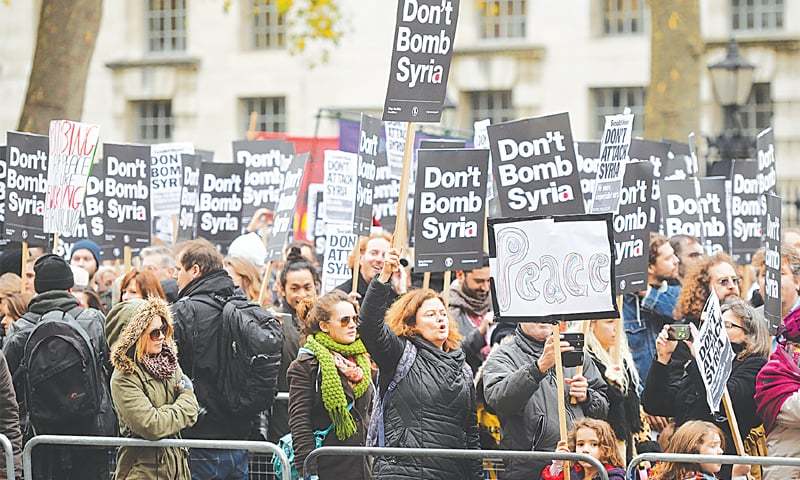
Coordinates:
3 170
656 154
91 223
395 133
552 268
166 173
772 247
368 143
746 210
339 242
205 155
697 207
316 218
190 186
285 209
386 194
587 156
480 139
632 228
264 161
423 46
219 204
341 184
678 165
765 146
713 352
534 167
449 209
614 147
71 153
26 187
126 193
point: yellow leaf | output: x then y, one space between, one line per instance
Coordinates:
674 20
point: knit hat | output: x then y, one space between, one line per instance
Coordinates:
87 245
11 262
52 273
139 320
249 247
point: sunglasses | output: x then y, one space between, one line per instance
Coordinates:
345 320
159 332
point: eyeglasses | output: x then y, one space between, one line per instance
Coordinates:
158 333
346 319
731 325
728 281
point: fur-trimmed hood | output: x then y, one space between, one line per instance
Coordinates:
134 328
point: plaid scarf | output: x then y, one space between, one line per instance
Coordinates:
162 365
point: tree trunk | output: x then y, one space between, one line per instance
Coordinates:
65 43
672 108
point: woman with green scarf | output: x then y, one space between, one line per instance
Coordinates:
330 385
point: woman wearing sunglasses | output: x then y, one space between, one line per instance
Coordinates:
330 386
684 396
152 396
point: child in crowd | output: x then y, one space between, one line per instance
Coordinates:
594 438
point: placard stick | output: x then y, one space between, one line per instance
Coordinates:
562 407
55 242
24 265
127 255
615 353
446 288
426 280
400 237
356 265
264 283
732 422
251 126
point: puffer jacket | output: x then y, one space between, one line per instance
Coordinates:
432 407
148 407
198 322
526 400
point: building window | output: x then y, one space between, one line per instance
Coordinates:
756 114
493 104
756 14
166 26
502 18
269 25
623 17
154 122
271 113
611 101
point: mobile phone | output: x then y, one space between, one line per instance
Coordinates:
575 357
678 332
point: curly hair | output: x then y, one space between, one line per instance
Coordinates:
609 453
402 316
697 286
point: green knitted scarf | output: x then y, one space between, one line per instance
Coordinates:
333 397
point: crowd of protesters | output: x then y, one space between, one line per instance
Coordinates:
384 362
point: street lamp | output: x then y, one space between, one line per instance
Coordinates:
731 81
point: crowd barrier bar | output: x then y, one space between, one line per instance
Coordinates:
725 459
8 449
282 396
448 453
87 441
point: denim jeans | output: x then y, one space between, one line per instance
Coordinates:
643 320
211 464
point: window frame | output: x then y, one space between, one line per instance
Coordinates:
177 39
277 117
163 125
774 15
511 21
488 100
611 106
628 18
271 35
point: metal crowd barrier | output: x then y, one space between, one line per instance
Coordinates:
725 459
310 467
8 449
86 441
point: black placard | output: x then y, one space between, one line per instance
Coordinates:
190 193
264 161
368 145
534 167
423 46
219 204
767 175
697 207
656 154
678 165
26 186
772 247
449 209
632 228
386 194
747 210
286 207
3 171
587 156
126 191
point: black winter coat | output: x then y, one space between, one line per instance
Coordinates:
279 419
433 406
361 288
197 331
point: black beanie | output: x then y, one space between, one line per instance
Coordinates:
11 262
52 273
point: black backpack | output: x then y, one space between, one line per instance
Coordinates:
63 378
251 341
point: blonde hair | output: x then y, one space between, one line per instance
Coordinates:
609 453
250 278
620 352
361 247
141 342
402 316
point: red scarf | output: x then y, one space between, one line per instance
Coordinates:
775 383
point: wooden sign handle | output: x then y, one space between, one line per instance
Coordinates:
127 255
426 280
562 407
732 422
264 283
55 243
25 254
446 288
400 238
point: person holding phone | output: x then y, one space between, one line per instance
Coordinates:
520 386
685 397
